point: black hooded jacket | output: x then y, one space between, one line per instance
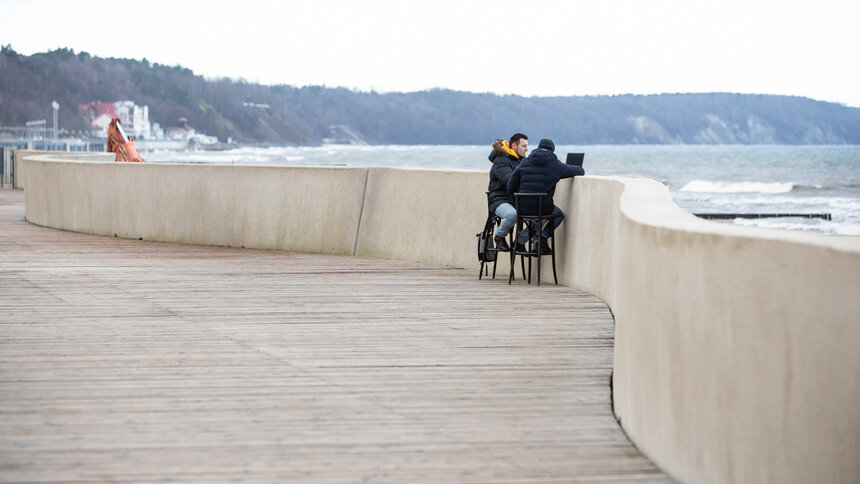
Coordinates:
503 166
538 173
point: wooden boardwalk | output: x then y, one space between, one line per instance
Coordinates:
136 361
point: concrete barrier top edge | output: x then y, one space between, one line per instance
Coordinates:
648 202
644 201
107 158
82 157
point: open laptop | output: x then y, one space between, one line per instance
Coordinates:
575 158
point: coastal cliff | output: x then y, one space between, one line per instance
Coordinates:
253 113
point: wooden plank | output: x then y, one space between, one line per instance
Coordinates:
136 361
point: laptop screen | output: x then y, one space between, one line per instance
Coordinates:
575 158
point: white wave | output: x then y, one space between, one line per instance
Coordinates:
736 187
824 227
777 203
845 203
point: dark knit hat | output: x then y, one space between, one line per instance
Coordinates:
547 144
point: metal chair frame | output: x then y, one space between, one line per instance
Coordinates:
490 225
534 225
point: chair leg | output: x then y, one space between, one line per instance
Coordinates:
522 259
554 276
523 267
495 262
513 237
539 233
530 248
496 259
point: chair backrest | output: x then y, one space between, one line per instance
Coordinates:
538 196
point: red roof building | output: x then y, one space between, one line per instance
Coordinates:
98 114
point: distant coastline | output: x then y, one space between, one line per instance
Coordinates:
248 113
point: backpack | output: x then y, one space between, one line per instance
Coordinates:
485 242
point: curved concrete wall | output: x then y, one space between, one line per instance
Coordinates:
306 209
423 215
736 348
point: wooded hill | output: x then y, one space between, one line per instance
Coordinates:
252 113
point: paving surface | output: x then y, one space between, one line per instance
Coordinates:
136 361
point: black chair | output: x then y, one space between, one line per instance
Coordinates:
533 225
489 232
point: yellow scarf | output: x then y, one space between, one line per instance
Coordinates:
507 147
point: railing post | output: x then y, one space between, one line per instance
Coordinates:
7 168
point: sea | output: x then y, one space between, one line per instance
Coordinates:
809 179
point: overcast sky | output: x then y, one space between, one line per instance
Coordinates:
536 47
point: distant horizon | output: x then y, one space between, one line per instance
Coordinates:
284 114
547 48
356 90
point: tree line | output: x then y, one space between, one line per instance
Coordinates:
283 114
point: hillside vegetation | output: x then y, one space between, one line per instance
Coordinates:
252 113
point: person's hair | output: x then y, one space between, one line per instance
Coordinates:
515 139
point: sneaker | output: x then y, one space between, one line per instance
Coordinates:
501 244
544 247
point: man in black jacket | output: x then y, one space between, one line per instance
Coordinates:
539 173
506 155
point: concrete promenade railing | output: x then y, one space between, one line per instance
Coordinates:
736 353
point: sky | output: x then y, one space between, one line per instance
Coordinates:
529 48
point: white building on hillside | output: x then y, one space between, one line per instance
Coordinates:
134 119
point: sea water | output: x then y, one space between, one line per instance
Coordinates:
700 178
